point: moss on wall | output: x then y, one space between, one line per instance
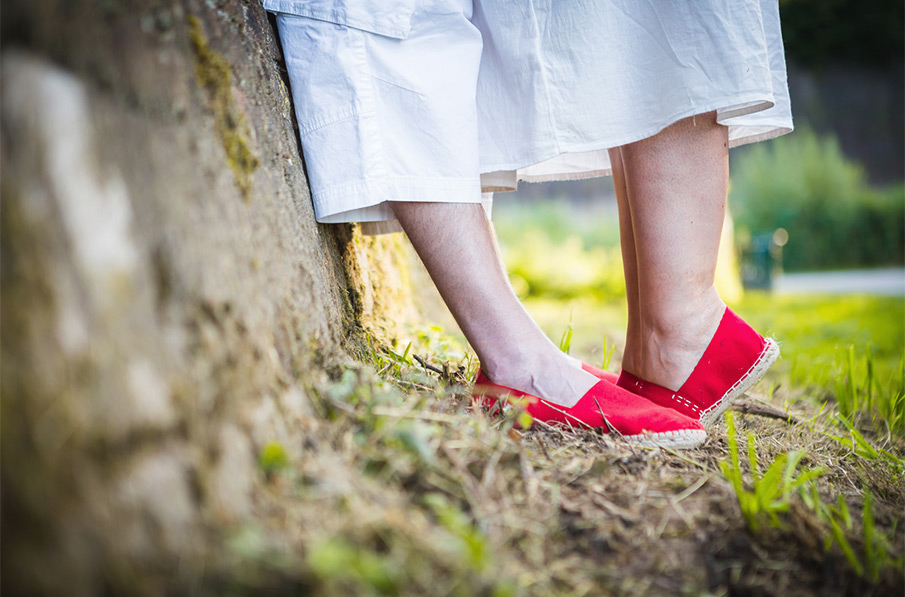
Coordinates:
213 73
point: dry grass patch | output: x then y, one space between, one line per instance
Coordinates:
403 491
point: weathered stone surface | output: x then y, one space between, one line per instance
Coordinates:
169 302
157 509
234 475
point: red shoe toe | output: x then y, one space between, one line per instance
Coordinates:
642 422
605 406
736 358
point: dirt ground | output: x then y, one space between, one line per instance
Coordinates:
404 490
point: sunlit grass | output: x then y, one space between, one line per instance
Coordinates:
404 490
449 501
847 350
816 332
772 489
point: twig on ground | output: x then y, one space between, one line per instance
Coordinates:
413 384
412 414
429 367
612 429
748 407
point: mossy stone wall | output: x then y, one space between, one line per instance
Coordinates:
169 305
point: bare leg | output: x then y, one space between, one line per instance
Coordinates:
674 186
456 244
629 265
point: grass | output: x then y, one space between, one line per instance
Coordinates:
403 491
823 336
856 443
773 492
772 489
866 395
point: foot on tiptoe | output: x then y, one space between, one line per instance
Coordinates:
605 407
736 358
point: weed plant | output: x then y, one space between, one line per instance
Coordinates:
862 393
773 489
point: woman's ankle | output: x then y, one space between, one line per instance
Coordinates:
671 347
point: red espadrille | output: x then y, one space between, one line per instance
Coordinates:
736 358
605 405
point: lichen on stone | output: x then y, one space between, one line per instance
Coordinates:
213 73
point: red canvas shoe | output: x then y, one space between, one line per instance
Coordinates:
605 406
736 358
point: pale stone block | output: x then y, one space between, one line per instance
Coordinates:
234 475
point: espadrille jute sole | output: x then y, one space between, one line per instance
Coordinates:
677 440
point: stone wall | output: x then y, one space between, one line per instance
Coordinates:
168 302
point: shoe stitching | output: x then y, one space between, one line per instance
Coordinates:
686 402
702 413
682 400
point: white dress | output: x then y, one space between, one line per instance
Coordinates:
563 81
417 100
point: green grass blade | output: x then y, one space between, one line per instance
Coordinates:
850 405
871 556
843 511
806 477
565 343
769 489
846 547
607 354
752 459
870 382
733 443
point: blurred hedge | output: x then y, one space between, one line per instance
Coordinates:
563 250
556 249
804 184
